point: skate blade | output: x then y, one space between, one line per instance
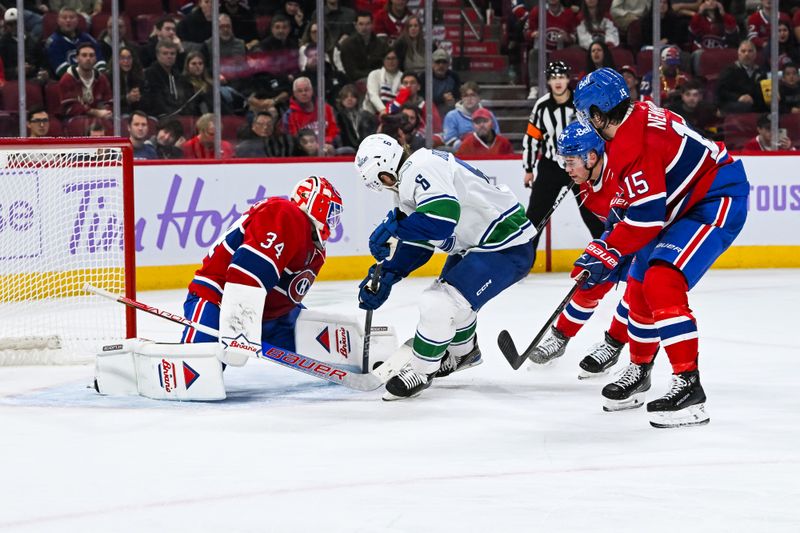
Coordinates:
533 366
589 375
634 402
389 397
694 415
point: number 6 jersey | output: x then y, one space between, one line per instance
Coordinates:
664 168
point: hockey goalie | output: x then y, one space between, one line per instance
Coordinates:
249 289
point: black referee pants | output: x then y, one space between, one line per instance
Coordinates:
550 178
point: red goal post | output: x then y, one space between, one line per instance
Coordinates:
66 219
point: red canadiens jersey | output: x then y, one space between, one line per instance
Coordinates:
270 246
758 26
663 168
565 22
598 196
708 34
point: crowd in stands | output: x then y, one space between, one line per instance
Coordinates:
714 61
374 57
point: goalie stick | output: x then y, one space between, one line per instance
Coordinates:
282 356
506 343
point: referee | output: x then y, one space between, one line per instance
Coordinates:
551 114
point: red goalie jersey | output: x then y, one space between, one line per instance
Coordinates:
270 246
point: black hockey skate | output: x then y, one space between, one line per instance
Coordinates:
682 405
601 357
552 347
452 364
628 391
407 384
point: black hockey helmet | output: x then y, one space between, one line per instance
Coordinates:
556 68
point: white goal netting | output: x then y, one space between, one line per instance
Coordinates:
61 227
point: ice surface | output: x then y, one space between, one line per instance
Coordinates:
488 449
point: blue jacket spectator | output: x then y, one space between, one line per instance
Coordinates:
458 122
62 45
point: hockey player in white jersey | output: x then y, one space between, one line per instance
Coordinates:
442 202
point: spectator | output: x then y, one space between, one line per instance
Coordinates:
362 52
738 86
33 16
623 12
138 128
561 26
280 50
164 30
598 56
165 142
763 141
383 84
334 80
105 38
390 20
758 25
788 51
84 90
195 29
354 123
671 77
398 127
700 115
415 137
483 140
201 146
595 25
38 122
166 91
297 19
302 113
96 129
339 20
86 8
446 83
131 78
409 94
262 139
790 89
711 27
270 94
458 122
410 46
232 50
194 71
35 60
233 55
242 19
632 81
309 40
674 25
308 144
62 45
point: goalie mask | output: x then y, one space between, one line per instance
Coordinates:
321 202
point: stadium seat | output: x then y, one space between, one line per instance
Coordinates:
633 38
714 60
791 122
262 25
56 128
739 128
9 124
622 56
144 25
188 123
230 125
100 21
76 126
574 57
144 7
33 95
644 61
52 99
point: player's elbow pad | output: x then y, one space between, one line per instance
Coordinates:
420 227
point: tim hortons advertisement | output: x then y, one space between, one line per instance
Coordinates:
182 209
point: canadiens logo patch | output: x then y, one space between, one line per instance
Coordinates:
324 339
299 285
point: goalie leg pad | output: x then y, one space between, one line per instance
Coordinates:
161 371
240 318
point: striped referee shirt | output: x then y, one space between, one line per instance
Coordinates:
547 120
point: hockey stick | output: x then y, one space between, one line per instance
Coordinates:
288 358
373 287
563 194
506 343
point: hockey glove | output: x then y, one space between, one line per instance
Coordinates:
600 261
379 240
369 300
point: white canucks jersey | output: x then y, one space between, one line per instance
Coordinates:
441 186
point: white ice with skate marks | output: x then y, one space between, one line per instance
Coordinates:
487 449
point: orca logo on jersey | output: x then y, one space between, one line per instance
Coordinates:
299 285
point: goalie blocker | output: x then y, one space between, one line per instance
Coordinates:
193 372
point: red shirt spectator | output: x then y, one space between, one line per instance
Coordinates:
560 25
84 91
758 24
711 27
302 112
389 22
201 146
483 140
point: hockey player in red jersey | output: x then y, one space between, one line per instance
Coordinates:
583 154
253 279
686 203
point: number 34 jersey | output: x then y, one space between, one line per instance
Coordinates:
270 246
664 168
442 186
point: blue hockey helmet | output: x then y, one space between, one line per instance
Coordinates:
578 140
604 89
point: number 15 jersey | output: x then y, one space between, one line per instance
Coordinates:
664 168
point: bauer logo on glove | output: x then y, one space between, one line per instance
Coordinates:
608 258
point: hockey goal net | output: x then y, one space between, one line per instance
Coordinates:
66 219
